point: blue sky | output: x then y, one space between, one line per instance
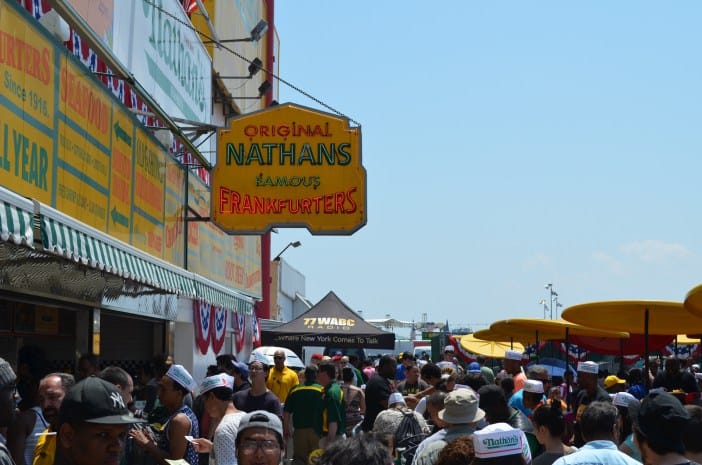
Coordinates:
508 145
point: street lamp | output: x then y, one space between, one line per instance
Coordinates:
554 296
543 302
256 34
291 244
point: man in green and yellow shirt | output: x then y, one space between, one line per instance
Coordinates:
334 412
304 403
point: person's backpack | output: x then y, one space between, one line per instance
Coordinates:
408 436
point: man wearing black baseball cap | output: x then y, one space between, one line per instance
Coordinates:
659 423
93 423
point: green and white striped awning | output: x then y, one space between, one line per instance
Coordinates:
16 219
223 297
77 242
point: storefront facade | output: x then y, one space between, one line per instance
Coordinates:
98 250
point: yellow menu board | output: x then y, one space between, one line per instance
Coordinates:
28 101
119 220
67 142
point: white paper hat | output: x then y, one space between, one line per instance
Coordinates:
534 385
258 357
500 439
396 398
180 375
220 380
588 367
624 399
449 348
513 355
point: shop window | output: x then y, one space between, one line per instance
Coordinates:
42 320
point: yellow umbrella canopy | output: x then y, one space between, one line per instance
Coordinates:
490 335
521 333
529 329
493 349
693 301
686 339
558 328
664 318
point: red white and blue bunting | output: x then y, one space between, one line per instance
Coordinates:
240 331
218 329
202 323
210 327
683 351
256 331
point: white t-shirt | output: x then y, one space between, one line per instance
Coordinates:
421 406
223 450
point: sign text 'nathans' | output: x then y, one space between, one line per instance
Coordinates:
289 166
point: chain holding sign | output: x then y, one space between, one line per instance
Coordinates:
289 166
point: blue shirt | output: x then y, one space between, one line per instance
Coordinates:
597 452
400 373
638 391
516 400
629 442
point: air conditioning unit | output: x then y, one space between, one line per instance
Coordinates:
56 26
164 136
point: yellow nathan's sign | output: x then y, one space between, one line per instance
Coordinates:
289 166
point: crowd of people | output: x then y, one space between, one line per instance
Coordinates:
343 411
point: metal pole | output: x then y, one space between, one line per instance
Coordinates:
567 353
646 366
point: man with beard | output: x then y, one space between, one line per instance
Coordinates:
590 391
52 390
378 390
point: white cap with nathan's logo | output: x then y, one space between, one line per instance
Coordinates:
500 439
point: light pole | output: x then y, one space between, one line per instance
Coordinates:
543 302
291 244
554 296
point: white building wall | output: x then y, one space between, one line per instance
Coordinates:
290 283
